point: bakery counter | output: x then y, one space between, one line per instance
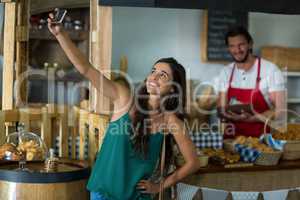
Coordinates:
285 175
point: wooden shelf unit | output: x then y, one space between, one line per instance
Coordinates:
44 34
44 48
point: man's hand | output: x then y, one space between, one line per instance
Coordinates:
243 117
231 116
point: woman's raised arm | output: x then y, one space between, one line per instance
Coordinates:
107 87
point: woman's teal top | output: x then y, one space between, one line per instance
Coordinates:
118 167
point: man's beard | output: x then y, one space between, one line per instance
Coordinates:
244 59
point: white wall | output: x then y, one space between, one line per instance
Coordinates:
275 29
146 34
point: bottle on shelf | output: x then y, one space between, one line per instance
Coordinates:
42 24
55 65
46 65
77 25
68 23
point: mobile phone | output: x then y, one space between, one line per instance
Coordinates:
59 15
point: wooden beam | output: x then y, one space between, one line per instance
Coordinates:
63 131
11 115
22 51
92 49
75 130
104 17
83 132
100 51
39 6
7 116
97 127
2 127
8 56
46 128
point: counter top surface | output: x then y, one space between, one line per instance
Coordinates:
281 166
35 172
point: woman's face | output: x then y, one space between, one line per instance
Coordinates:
159 81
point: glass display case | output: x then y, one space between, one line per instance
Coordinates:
23 145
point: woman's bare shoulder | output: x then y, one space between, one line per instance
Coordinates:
124 101
174 123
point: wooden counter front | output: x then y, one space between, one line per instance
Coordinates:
285 175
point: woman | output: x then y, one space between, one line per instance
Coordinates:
133 139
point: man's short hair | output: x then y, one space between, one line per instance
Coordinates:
238 30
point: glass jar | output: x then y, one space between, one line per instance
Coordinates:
23 144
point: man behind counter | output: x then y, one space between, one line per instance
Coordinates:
248 80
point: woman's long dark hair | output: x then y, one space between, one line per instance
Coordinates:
174 101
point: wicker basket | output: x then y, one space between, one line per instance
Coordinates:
268 159
265 159
271 158
291 150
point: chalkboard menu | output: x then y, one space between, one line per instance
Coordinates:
216 24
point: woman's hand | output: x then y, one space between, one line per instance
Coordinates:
148 187
54 28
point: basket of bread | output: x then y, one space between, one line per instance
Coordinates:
290 134
24 145
255 150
